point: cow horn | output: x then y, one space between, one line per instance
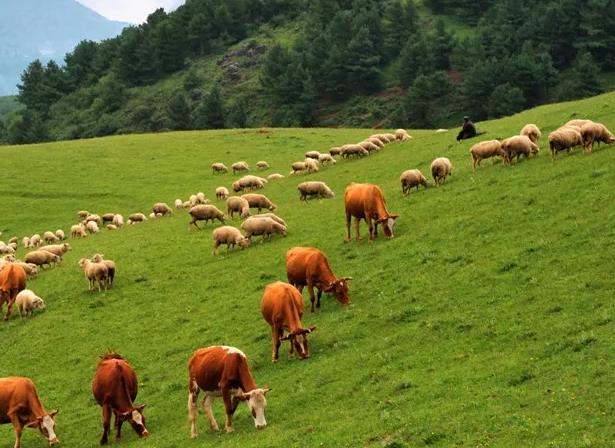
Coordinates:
312 328
346 278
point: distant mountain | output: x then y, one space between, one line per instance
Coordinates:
31 29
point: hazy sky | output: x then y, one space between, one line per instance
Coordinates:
134 11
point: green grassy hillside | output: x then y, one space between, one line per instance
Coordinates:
486 321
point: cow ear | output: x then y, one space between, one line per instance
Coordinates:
330 287
346 278
309 330
140 408
53 413
286 338
394 216
242 397
266 389
34 424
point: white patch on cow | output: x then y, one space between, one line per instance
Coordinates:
390 224
257 404
49 424
302 347
228 349
136 417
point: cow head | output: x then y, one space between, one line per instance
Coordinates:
46 425
257 403
388 223
339 288
299 340
136 419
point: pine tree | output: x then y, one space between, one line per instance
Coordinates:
583 80
398 23
179 112
31 90
597 25
362 63
505 99
415 59
210 113
440 46
237 113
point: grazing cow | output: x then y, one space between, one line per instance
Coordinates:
282 308
366 201
12 281
221 370
308 266
20 405
115 388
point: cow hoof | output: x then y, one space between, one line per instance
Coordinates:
229 430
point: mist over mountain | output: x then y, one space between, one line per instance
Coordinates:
31 29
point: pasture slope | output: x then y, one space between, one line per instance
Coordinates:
486 322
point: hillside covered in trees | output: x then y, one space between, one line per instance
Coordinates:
245 63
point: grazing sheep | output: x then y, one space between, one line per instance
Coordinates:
93 218
50 237
402 135
222 193
375 141
94 273
335 151
354 151
273 216
259 201
532 132
369 146
240 167
118 220
248 183
564 138
13 246
262 226
275 176
485 150
412 178
57 249
26 242
383 138
193 200
153 215
219 167
92 227
179 204
595 132
136 217
579 122
82 214
205 213
35 240
162 208
27 302
391 137
77 231
98 258
6 249
111 227
13 240
60 234
326 159
440 169
262 165
312 155
42 258
230 236
314 189
517 146
298 167
186 204
237 204
201 199
441 131
107 217
311 165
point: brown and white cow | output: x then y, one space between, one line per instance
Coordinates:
366 201
282 308
115 388
308 266
12 281
223 371
20 405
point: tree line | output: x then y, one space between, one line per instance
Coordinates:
509 55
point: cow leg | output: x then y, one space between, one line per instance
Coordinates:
193 412
348 218
312 298
319 296
106 423
228 406
9 306
208 407
18 429
357 222
370 228
275 348
118 427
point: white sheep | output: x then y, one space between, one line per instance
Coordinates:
26 302
118 220
440 169
230 236
326 159
222 193
60 234
77 231
92 227
94 273
50 237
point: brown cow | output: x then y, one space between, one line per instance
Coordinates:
12 281
20 405
115 388
366 201
282 308
222 370
308 266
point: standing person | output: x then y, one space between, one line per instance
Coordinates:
468 130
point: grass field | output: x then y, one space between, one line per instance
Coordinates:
486 322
